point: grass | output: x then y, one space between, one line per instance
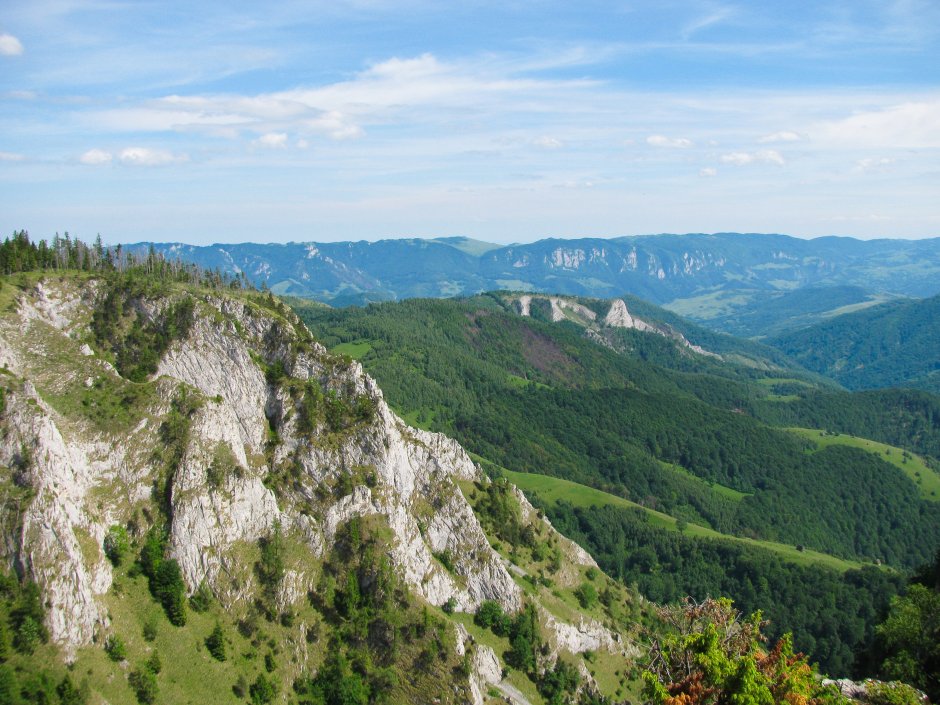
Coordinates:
418 419
913 466
553 489
356 350
715 487
517 382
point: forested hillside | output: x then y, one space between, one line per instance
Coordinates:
896 344
695 437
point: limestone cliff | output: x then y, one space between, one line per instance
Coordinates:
271 431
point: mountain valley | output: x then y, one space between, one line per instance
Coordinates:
215 495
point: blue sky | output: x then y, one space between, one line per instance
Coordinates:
505 121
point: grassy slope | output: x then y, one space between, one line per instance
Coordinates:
553 489
926 479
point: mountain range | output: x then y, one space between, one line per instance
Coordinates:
206 500
705 276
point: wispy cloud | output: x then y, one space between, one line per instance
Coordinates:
96 157
764 156
10 45
675 142
904 126
11 157
272 140
783 136
144 156
548 142
869 163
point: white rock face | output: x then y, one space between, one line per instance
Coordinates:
60 475
524 305
86 478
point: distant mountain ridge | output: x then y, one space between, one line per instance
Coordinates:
666 269
896 344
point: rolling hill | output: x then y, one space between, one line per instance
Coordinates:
896 344
698 436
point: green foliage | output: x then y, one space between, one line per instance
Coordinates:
115 648
712 657
525 641
673 433
609 421
490 616
202 599
909 639
558 684
143 681
116 544
149 630
893 693
336 683
587 595
264 690
137 343
170 590
164 575
69 693
223 466
270 566
215 643
831 614
895 344
21 617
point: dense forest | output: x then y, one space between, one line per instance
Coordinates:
699 439
896 344
831 615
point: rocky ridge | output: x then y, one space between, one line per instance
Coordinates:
562 308
70 474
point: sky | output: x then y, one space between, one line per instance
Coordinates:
510 121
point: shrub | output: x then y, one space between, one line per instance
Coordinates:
587 595
170 589
116 544
114 647
893 693
144 683
263 690
215 643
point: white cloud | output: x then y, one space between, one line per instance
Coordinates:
95 157
764 156
548 142
10 157
910 125
662 141
410 92
870 163
785 136
143 156
10 45
708 172
272 140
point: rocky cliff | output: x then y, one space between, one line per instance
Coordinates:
246 427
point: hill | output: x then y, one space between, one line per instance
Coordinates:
896 344
732 273
201 504
758 314
689 434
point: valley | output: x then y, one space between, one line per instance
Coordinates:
206 485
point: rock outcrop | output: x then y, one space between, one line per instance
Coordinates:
78 478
